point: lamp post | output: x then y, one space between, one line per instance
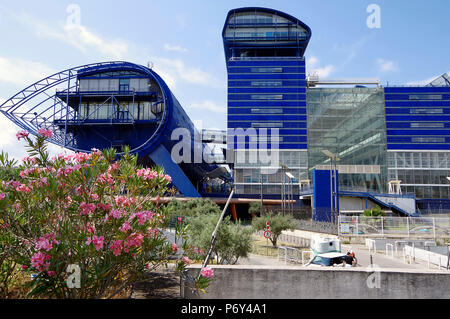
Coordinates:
333 182
291 192
284 172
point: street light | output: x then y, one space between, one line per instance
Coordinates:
333 175
285 172
291 191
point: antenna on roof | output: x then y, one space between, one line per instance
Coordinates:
150 65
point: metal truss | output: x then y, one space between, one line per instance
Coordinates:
45 103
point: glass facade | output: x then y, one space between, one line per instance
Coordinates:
418 138
422 173
348 122
118 95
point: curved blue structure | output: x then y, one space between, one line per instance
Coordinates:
263 32
111 104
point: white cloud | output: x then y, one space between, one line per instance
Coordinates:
78 36
169 47
386 65
313 66
176 68
22 72
209 106
83 39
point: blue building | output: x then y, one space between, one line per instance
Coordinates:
266 96
282 123
387 140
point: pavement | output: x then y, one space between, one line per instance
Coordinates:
381 260
363 256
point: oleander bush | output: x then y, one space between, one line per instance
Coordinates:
82 225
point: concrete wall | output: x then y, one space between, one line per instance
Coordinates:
292 282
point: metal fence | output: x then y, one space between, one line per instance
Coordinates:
418 227
320 227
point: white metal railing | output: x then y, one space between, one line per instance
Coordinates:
411 253
391 248
371 226
292 254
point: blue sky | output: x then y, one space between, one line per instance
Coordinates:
183 41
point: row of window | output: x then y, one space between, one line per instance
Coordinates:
242 70
247 124
419 160
252 18
408 139
114 74
124 111
286 34
425 97
431 110
272 97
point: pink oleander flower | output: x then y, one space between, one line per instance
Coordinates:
207 273
86 209
45 133
2 196
142 216
134 240
40 262
90 228
116 214
51 273
105 207
168 178
43 182
186 260
125 227
116 246
24 267
22 134
23 188
46 242
97 241
174 247
122 201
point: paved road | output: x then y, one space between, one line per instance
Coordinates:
380 259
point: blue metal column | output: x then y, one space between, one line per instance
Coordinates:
160 156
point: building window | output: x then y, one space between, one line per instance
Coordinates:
124 85
266 70
266 97
426 111
426 125
267 124
267 83
425 97
428 140
267 111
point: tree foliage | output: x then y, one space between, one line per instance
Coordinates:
233 239
193 207
278 223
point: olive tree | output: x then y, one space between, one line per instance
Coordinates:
278 223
